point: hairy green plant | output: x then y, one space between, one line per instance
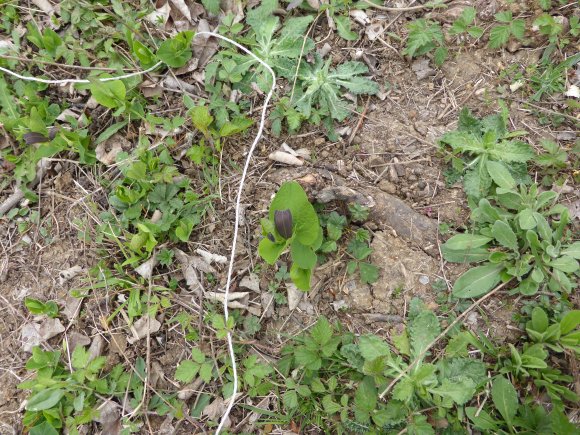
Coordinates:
518 236
466 24
484 150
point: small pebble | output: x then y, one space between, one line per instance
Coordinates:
388 187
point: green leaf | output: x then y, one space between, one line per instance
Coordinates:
499 36
329 405
423 329
197 355
505 398
570 321
110 94
372 347
477 281
292 196
572 250
186 371
459 391
271 251
175 52
365 399
205 372
518 28
307 358
303 255
212 6
500 174
466 242
290 399
201 119
344 29
321 332
110 131
481 419
44 428
369 273
44 399
80 357
300 277
504 234
565 264
440 55
539 320
526 219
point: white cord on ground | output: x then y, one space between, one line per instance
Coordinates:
240 189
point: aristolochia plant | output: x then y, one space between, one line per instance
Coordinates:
292 223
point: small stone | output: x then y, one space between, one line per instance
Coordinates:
387 187
421 185
412 177
513 45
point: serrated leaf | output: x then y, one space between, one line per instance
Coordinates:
365 398
372 347
329 405
186 371
321 332
499 36
369 273
422 331
477 281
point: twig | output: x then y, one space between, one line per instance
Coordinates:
61 65
543 109
439 337
404 9
360 121
18 194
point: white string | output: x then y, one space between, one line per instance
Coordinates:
238 198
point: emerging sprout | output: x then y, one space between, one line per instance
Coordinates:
283 222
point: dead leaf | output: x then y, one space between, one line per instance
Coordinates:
77 339
71 307
118 343
29 336
176 84
189 272
294 296
108 150
182 8
374 31
96 348
360 16
422 69
146 269
212 258
204 46
232 296
109 417
68 274
186 392
143 327
160 15
314 4
150 89
215 410
251 282
267 301
286 158
44 6
190 66
50 328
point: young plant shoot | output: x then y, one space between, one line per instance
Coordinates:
292 223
